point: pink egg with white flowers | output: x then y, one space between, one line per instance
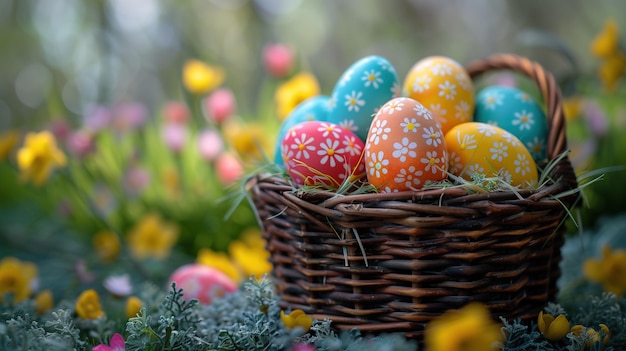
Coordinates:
322 153
202 282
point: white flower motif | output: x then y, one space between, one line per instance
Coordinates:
475 169
421 111
302 146
348 124
347 76
396 90
447 90
409 125
524 120
439 112
467 141
536 147
379 131
350 145
522 165
510 138
286 153
492 99
327 128
329 152
353 101
524 97
455 164
332 103
505 175
487 129
431 161
393 106
464 81
378 164
404 148
409 177
421 84
372 78
462 110
432 136
441 69
498 151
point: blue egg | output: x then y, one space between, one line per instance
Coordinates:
315 108
362 89
517 112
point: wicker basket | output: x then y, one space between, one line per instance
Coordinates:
392 262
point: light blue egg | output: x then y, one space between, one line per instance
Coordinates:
362 89
312 109
518 113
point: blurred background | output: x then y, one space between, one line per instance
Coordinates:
106 77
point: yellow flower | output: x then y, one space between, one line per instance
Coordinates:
152 237
296 319
133 306
8 140
249 140
220 261
292 92
572 108
107 245
610 271
16 277
590 335
469 329
200 78
44 301
606 43
611 70
39 156
88 305
553 329
250 254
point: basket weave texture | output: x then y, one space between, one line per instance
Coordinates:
392 262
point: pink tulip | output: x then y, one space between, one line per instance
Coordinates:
61 130
278 60
210 144
136 179
596 120
220 105
115 344
175 136
97 118
80 143
176 112
228 168
130 116
202 282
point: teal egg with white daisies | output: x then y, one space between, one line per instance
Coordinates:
515 111
315 108
360 91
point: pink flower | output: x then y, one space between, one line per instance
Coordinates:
220 105
228 168
210 144
506 80
129 116
115 344
118 285
61 130
278 60
136 179
596 119
175 136
80 143
303 347
97 118
176 112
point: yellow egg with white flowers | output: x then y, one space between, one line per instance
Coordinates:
484 150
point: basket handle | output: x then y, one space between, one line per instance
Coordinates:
551 93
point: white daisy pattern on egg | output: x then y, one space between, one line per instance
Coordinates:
522 164
447 90
395 105
454 163
510 138
492 100
350 145
409 177
438 111
327 128
330 153
421 84
462 110
431 161
396 90
378 164
302 146
475 169
524 120
441 69
499 151
536 147
353 101
505 175
464 81
409 125
347 76
403 149
379 131
372 78
422 111
487 130
432 136
523 97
